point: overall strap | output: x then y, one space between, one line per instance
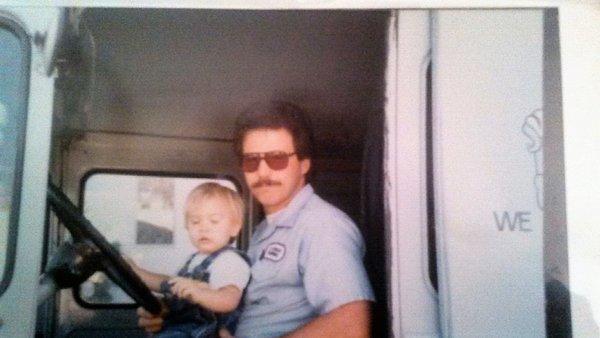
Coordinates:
165 288
201 273
186 266
208 260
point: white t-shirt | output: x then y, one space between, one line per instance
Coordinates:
227 269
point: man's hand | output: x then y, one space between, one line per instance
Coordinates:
149 322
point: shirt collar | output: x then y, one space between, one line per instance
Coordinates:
285 217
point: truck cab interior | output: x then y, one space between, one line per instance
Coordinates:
147 98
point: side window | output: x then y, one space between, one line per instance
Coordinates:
14 74
143 217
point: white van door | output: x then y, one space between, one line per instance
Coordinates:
27 39
488 171
473 252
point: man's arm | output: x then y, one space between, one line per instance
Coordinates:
349 320
335 281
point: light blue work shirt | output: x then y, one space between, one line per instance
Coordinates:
307 260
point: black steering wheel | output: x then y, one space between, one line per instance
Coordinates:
111 261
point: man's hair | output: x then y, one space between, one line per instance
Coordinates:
276 115
214 190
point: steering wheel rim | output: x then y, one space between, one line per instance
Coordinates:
113 264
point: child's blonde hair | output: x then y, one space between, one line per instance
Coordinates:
215 190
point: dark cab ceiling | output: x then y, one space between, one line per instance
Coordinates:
187 73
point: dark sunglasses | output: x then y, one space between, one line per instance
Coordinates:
276 160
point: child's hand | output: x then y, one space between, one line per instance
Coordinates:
186 288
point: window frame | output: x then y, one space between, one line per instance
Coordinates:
14 28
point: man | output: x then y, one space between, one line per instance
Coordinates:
308 279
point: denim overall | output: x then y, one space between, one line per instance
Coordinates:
186 319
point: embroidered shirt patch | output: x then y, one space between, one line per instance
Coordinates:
274 252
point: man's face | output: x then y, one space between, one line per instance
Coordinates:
274 189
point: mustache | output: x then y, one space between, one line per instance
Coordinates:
265 183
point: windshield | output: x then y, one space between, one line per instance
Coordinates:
13 95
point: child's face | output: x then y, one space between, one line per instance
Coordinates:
211 224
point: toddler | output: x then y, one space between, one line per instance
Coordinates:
203 300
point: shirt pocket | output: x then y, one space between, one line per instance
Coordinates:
264 270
